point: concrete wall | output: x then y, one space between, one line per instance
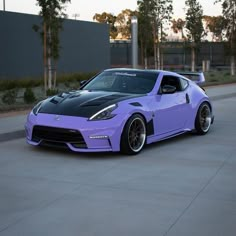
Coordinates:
84 46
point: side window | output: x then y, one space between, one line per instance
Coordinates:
173 81
184 83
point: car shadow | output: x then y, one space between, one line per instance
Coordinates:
81 155
179 138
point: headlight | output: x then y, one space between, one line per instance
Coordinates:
105 113
36 108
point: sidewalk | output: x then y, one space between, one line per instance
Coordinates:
221 91
12 123
12 127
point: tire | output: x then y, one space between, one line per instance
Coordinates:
203 119
134 135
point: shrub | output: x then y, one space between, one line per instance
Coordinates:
30 83
51 92
213 80
8 84
21 83
34 82
29 96
67 84
76 77
9 97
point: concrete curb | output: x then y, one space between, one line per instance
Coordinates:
221 97
12 135
21 133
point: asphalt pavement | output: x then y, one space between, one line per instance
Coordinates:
184 186
13 127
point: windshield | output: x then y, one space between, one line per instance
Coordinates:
137 82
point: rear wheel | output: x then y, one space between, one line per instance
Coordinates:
203 119
133 137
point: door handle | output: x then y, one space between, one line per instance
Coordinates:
187 98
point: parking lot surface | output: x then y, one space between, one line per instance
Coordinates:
183 186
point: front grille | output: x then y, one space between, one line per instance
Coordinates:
58 135
53 144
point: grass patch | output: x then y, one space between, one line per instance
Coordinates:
219 77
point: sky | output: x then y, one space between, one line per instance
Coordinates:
85 9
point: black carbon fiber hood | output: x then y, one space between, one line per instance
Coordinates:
82 103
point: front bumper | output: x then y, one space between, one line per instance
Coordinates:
54 130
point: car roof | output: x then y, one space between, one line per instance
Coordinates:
134 70
154 71
143 70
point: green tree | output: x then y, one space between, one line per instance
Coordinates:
161 15
229 13
216 25
123 22
144 29
52 12
178 27
110 19
158 12
194 26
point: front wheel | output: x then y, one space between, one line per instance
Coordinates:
203 119
133 137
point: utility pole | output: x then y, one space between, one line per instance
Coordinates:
134 37
45 56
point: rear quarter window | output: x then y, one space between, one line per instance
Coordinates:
184 83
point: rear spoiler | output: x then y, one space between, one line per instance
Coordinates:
197 77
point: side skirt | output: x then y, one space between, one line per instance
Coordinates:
156 138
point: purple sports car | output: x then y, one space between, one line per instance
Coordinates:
121 110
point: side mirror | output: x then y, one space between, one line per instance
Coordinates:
168 89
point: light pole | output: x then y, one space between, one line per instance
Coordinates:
75 15
134 40
4 5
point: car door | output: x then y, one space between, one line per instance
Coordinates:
172 109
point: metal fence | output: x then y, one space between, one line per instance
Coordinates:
175 55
